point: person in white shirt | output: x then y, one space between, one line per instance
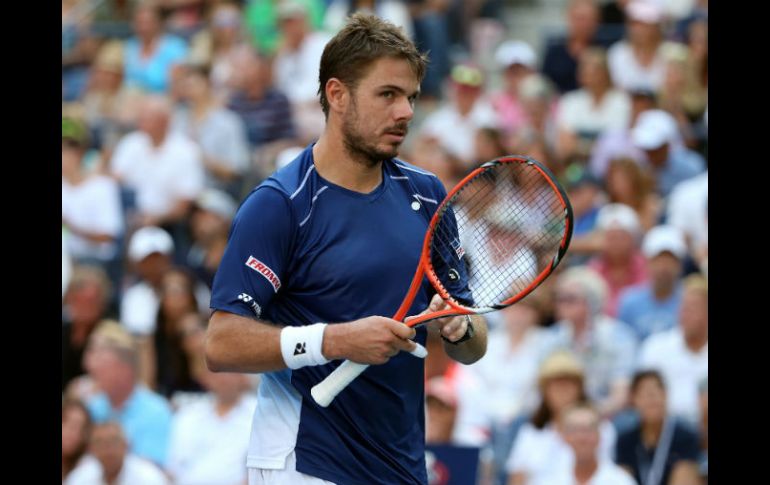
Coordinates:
90 203
688 210
596 107
681 354
580 428
210 437
538 449
639 61
110 462
163 168
454 124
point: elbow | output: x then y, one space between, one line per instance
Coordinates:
212 352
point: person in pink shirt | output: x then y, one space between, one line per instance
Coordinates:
517 60
620 261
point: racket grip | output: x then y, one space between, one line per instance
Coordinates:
325 391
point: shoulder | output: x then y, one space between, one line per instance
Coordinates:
426 182
152 403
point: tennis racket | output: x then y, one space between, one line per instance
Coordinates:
496 236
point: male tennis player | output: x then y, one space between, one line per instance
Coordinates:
318 253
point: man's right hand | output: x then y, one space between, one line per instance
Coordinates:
371 340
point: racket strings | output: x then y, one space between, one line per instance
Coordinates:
499 232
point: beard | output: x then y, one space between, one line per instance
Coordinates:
359 147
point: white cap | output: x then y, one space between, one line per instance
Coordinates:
218 202
618 216
647 11
653 128
664 238
290 9
515 52
148 240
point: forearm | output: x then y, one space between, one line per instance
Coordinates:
471 350
240 344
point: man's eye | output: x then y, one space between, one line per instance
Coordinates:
388 94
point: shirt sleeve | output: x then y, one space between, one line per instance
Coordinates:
253 268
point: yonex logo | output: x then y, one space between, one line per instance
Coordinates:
244 297
300 349
265 271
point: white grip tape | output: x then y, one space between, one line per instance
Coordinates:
325 391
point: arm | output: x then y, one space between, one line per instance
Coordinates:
240 344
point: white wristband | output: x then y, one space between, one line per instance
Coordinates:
301 346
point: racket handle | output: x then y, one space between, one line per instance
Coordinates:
325 391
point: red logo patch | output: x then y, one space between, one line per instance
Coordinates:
265 271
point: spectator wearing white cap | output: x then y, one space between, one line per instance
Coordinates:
620 262
562 52
210 223
681 353
656 133
604 345
596 107
653 306
639 60
517 60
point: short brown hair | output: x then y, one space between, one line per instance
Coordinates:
365 39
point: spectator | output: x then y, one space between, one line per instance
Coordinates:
85 304
683 95
638 62
579 426
264 109
219 133
169 365
596 107
538 449
432 34
149 56
617 143
110 461
261 18
215 47
620 262
440 411
605 346
562 52
537 96
585 195
295 67
654 306
454 124
632 184
149 161
112 362
91 209
659 448
687 209
657 134
517 60
210 225
210 437
681 353
75 430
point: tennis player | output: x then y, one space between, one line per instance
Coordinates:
319 254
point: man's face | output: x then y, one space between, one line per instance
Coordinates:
580 429
694 313
583 20
650 400
146 23
376 119
618 243
664 269
658 156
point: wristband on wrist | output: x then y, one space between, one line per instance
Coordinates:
469 332
301 346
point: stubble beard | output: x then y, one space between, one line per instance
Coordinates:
357 146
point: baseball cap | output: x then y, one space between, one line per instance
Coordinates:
646 11
561 363
218 202
74 130
653 128
148 240
513 52
664 239
618 216
467 75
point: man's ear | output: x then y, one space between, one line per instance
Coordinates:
337 94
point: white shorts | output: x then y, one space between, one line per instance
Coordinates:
288 476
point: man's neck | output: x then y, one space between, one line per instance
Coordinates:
663 291
119 397
651 433
584 470
335 164
696 342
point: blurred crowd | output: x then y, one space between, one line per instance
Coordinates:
173 110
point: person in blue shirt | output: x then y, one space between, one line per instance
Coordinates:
653 306
319 255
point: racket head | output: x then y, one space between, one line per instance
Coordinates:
519 222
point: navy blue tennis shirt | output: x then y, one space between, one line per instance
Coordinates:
304 250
